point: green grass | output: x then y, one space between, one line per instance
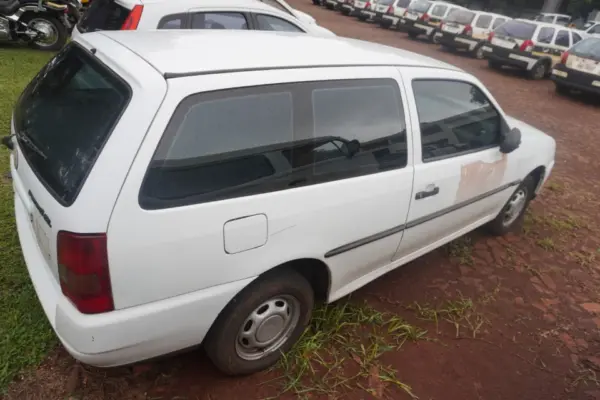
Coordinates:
25 335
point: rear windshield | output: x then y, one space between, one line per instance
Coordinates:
459 16
402 3
588 48
65 116
420 6
385 2
516 29
103 15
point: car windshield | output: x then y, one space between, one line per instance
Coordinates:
516 29
65 116
588 48
420 6
463 17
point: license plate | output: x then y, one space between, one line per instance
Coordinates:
42 237
507 44
412 17
382 8
451 29
562 74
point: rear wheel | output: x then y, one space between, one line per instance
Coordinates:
513 211
433 38
539 71
52 33
478 52
260 323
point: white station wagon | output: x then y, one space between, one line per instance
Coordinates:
166 197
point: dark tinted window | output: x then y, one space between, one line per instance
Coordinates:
455 118
562 39
219 20
254 140
498 22
439 10
270 23
104 15
419 6
546 34
517 29
67 112
463 17
176 21
576 38
483 21
588 48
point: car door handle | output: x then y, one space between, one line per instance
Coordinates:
427 193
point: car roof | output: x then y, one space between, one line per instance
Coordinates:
545 24
194 52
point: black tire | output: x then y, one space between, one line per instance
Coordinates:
59 28
221 343
433 39
412 35
539 71
494 64
362 18
478 52
501 225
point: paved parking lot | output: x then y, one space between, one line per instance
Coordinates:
505 318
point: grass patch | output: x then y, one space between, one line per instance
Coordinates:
25 335
547 244
340 351
461 249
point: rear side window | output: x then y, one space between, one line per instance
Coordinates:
483 21
455 118
498 22
439 10
248 141
517 29
219 20
545 35
105 15
270 23
562 39
68 112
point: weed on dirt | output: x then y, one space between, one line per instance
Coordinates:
461 249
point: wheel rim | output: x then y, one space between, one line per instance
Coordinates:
479 53
540 71
514 207
48 32
268 327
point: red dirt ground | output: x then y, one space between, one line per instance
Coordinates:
536 290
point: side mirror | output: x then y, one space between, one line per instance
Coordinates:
511 141
352 147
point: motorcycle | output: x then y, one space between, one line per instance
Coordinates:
44 25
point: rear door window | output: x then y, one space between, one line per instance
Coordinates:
546 34
219 20
66 114
483 21
563 39
271 23
517 29
105 15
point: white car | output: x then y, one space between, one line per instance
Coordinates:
271 15
592 29
169 193
553 18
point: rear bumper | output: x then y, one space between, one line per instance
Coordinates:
366 14
388 20
123 336
515 58
417 27
346 9
458 41
576 80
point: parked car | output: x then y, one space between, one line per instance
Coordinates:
346 7
211 196
579 68
532 46
423 17
469 30
194 14
553 18
592 29
389 12
364 10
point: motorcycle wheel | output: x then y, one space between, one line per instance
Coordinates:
55 33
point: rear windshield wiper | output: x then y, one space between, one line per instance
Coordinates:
7 141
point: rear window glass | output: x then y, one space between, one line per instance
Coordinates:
463 17
403 3
439 10
588 48
64 117
483 21
420 6
516 29
104 15
385 2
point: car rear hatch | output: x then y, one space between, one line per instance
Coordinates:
417 9
585 57
69 166
458 22
513 34
108 15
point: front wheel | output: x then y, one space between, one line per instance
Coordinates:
478 52
52 33
263 321
511 215
539 71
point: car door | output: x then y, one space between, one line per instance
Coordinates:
461 178
482 26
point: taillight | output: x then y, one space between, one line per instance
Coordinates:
425 17
405 13
390 10
133 19
367 6
564 57
83 271
468 30
441 26
527 46
491 36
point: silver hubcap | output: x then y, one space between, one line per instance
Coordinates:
540 71
515 206
268 327
49 33
479 53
